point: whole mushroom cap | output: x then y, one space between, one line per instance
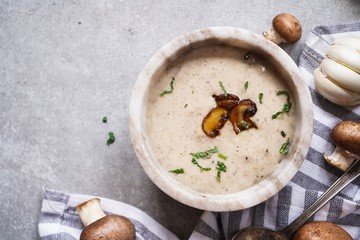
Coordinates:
111 227
346 135
288 27
321 230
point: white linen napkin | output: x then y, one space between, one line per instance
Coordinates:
59 220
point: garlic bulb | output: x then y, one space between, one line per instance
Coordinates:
338 76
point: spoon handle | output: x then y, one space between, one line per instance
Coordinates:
352 173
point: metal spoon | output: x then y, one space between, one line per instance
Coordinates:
260 233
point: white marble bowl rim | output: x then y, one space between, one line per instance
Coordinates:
288 166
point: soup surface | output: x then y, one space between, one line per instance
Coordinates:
174 119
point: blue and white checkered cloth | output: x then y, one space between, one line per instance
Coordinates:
59 220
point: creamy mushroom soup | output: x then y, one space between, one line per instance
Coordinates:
182 98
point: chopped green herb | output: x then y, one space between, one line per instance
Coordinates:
104 120
222 156
223 88
221 167
205 155
185 106
201 167
261 95
111 138
246 85
244 124
247 56
282 92
177 171
283 134
276 115
287 105
171 88
285 147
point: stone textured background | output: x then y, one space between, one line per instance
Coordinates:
66 64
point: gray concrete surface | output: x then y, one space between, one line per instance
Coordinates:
66 64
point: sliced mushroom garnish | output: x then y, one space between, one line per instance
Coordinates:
240 115
226 100
214 121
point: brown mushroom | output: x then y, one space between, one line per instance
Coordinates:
226 100
285 28
240 115
99 226
321 230
214 121
346 137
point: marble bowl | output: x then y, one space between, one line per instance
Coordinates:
287 167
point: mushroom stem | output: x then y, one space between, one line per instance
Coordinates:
346 137
340 159
90 211
273 36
